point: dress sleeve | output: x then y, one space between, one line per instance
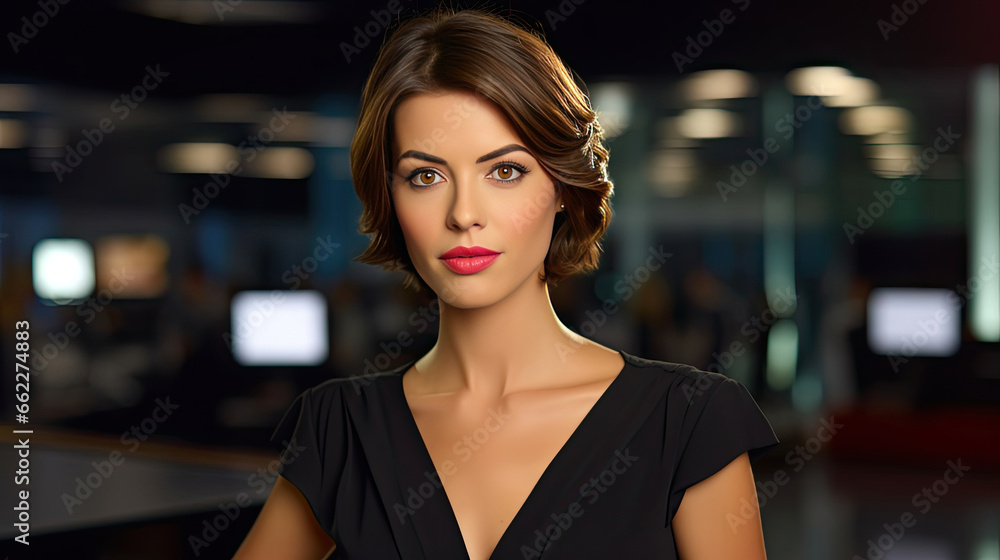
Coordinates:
723 421
299 436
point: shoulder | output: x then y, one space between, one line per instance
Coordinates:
670 368
329 413
360 385
711 418
689 380
705 419
323 404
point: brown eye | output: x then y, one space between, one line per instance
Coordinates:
425 178
508 172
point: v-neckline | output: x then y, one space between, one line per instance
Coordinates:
559 457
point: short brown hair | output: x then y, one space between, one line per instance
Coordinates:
516 70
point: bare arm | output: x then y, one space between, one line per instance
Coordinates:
719 517
286 528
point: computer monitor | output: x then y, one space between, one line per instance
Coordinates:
278 328
914 321
63 270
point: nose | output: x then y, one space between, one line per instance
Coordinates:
466 209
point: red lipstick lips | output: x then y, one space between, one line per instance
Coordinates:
469 260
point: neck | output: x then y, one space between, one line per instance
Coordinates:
511 345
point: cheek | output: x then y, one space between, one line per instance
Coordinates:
408 224
417 225
530 218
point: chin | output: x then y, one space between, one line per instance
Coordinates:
467 292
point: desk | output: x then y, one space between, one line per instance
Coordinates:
157 480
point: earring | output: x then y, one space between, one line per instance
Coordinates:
562 206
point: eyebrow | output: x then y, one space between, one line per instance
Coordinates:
492 155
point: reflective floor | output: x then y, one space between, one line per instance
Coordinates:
837 511
812 507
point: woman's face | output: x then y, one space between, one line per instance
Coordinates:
462 178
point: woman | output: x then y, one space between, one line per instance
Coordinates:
481 169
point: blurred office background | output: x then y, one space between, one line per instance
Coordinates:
177 225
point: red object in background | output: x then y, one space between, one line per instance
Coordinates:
919 437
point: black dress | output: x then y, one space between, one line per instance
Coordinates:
353 449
